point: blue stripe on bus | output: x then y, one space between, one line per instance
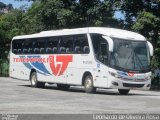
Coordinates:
122 73
37 65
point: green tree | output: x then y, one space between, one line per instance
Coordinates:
55 14
32 20
148 25
10 26
132 8
95 13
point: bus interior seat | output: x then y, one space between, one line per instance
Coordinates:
25 50
86 49
55 49
77 49
68 50
29 50
42 50
62 50
36 50
15 50
49 50
19 50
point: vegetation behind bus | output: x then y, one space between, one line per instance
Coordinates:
4 67
142 16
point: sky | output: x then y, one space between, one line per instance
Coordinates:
119 15
16 4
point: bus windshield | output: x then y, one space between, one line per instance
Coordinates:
130 55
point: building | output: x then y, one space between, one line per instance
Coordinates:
5 8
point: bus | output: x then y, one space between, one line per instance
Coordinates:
93 57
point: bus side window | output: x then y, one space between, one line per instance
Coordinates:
52 45
81 45
39 46
66 45
27 46
14 47
17 46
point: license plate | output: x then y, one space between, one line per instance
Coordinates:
140 76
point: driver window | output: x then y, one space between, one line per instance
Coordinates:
100 47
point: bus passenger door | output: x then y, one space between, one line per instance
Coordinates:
102 67
101 51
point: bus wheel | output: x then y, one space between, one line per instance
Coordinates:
123 91
34 81
63 86
88 84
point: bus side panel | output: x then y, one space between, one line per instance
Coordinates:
87 63
101 76
18 69
54 69
81 63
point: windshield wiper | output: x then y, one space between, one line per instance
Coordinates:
121 68
131 55
130 70
142 66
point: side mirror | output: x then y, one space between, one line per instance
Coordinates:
150 48
110 42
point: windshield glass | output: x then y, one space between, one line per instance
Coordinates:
130 55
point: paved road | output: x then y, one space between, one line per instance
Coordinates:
16 96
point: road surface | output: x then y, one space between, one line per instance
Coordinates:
16 96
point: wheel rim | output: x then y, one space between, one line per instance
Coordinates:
88 83
33 80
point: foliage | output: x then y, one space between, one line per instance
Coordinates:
59 14
56 14
32 22
148 25
132 8
10 25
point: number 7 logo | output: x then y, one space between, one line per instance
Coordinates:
59 64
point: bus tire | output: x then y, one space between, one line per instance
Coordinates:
123 91
88 84
34 82
63 86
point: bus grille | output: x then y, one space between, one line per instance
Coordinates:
133 85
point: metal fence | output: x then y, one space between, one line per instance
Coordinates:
4 67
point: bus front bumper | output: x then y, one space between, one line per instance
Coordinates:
121 84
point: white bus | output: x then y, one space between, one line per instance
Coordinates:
94 57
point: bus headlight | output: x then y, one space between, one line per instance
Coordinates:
114 74
118 76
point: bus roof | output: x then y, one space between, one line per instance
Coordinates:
111 32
